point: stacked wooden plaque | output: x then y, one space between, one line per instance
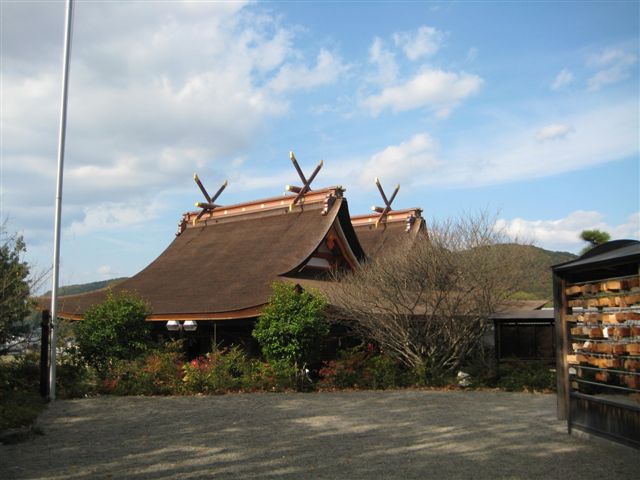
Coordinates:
604 329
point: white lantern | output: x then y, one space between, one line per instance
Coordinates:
173 326
190 326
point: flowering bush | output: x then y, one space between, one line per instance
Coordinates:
230 370
216 372
164 372
156 373
363 368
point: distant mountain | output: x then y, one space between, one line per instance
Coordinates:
86 287
539 284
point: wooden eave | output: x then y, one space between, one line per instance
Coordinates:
344 245
251 312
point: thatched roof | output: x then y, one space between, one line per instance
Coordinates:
397 227
221 266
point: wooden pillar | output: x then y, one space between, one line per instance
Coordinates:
44 353
496 344
562 371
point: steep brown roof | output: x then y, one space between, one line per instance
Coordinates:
222 266
397 227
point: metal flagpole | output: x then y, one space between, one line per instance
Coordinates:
56 236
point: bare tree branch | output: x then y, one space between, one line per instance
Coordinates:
428 302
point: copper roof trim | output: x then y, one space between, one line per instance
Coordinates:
392 216
257 206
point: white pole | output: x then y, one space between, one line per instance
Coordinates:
56 235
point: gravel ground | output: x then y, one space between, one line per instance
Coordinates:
398 434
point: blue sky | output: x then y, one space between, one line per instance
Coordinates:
529 110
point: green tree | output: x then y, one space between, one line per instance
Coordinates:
114 330
595 238
15 295
291 327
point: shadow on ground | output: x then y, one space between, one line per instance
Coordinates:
400 434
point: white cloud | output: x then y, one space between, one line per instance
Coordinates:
238 161
155 91
562 80
271 53
555 131
423 42
614 66
104 271
327 70
273 181
401 162
436 89
385 61
564 233
512 153
611 56
509 154
110 216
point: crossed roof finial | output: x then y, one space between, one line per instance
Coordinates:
306 183
383 211
210 204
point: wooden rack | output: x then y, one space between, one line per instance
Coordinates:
604 337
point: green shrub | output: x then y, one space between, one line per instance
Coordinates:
20 401
73 379
386 372
15 289
526 376
19 409
364 368
274 377
20 373
291 328
114 330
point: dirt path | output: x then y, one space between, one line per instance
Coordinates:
372 435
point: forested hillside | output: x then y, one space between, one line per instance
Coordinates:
86 287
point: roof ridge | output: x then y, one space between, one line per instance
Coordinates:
392 216
322 198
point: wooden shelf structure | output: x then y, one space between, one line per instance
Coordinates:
597 318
